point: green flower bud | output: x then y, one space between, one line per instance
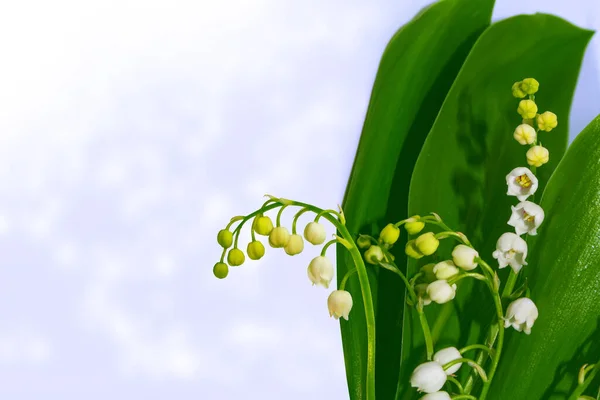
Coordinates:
427 243
547 121
413 225
517 91
527 109
374 255
411 250
428 274
295 245
225 238
263 225
537 156
529 86
235 257
279 237
221 270
255 250
390 234
363 242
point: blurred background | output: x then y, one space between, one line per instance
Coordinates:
130 132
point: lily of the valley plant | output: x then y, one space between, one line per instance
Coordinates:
491 291
436 282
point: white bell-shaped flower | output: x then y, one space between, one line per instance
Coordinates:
314 233
521 183
521 314
320 271
441 292
428 377
464 257
437 396
511 249
444 356
445 270
526 218
339 304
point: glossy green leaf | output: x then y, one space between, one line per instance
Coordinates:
564 277
416 71
460 173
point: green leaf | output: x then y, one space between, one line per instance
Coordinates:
564 276
460 173
416 71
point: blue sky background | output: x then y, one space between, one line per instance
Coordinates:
130 132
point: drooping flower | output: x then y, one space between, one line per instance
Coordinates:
428 377
521 183
517 91
295 245
320 271
255 250
445 270
444 356
537 156
225 238
235 257
511 250
437 396
339 304
521 315
530 85
413 225
314 233
374 255
390 234
464 257
440 291
525 134
427 271
221 270
279 237
263 225
526 217
427 243
411 250
363 242
421 292
527 109
547 121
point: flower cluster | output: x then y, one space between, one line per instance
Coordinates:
526 216
437 281
440 278
320 270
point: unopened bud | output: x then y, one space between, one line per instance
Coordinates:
255 250
225 238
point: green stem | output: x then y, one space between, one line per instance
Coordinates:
470 363
498 349
365 288
467 275
426 331
345 279
422 318
295 220
476 346
278 220
464 396
456 383
324 250
582 386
